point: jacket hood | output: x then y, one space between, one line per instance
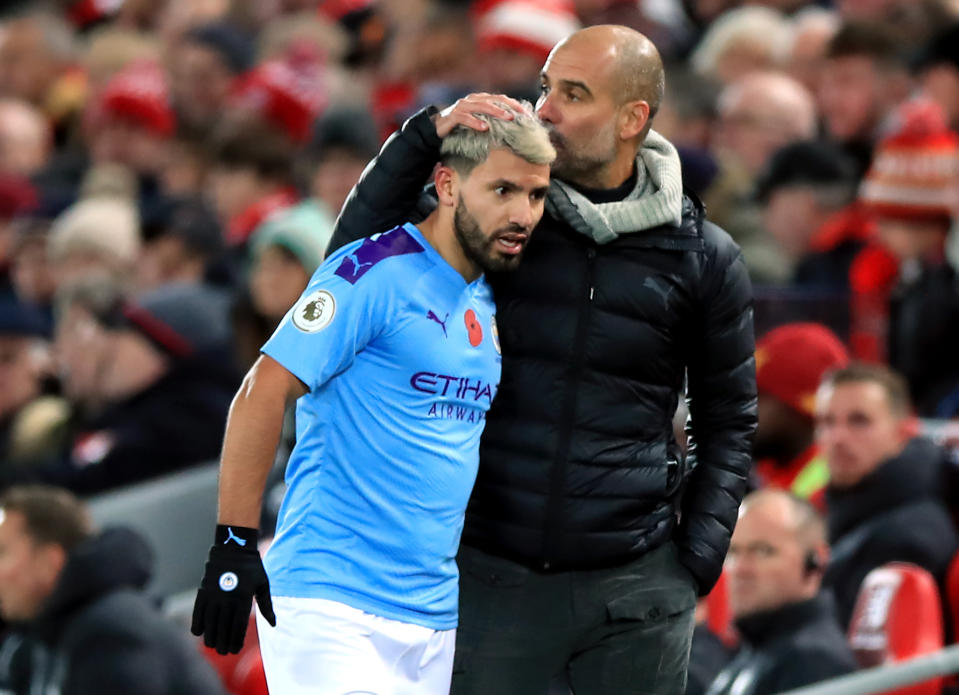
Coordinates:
116 558
656 200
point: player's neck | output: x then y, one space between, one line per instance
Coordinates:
441 236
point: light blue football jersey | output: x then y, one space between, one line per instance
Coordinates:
401 358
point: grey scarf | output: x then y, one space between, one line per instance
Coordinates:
657 198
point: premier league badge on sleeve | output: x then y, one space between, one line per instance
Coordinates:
314 312
494 332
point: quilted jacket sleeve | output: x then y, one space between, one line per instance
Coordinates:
722 406
389 191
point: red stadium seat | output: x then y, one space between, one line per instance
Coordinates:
898 616
952 596
242 674
718 613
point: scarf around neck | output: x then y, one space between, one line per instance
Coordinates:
656 199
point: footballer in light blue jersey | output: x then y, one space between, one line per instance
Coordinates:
401 358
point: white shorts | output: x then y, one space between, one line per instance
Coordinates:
322 647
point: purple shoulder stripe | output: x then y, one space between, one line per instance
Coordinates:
397 242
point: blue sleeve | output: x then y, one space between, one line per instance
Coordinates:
337 315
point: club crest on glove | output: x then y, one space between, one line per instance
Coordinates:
229 581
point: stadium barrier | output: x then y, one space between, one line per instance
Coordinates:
884 678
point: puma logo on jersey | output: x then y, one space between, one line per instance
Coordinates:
431 315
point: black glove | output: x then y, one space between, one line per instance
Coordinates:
234 574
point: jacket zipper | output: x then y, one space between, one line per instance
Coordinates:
557 482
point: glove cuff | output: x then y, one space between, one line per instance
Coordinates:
236 537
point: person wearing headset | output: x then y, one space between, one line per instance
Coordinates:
789 633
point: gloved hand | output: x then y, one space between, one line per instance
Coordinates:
234 574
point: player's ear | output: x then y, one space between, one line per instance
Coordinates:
446 181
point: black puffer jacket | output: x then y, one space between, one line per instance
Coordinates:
787 648
98 632
894 514
579 468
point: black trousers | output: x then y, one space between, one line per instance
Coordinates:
619 631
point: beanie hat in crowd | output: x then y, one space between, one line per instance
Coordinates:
139 93
530 26
106 227
230 43
304 230
915 168
806 163
791 361
349 128
181 319
289 92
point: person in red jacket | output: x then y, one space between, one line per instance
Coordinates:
790 363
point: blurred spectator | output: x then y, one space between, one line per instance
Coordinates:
758 114
687 118
790 363
938 67
806 193
813 29
181 240
110 50
290 32
884 498
914 21
151 382
286 93
251 177
17 197
25 138
865 78
202 68
31 420
81 621
514 37
911 188
285 251
741 41
35 50
788 626
344 142
132 122
434 58
187 165
95 237
31 273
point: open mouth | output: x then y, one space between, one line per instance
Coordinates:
511 243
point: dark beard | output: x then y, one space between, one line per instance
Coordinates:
476 246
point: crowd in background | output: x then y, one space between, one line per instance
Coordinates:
171 171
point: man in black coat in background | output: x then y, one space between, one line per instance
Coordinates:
80 622
884 498
790 635
588 535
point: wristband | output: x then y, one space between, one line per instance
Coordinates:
236 537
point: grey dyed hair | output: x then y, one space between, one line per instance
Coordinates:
465 148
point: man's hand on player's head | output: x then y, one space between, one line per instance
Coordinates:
464 110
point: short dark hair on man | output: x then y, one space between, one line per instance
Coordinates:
872 40
894 385
52 514
248 142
